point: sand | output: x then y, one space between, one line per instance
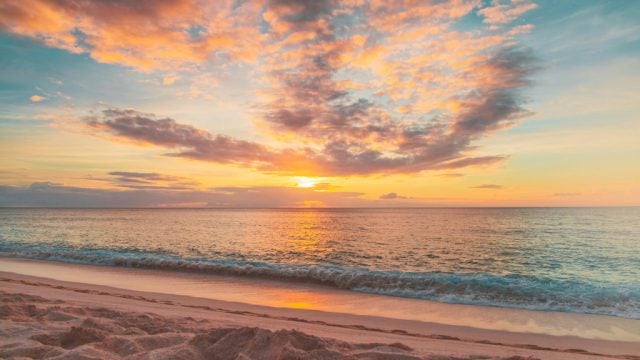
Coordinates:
47 318
36 327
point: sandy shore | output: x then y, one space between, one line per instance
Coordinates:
43 317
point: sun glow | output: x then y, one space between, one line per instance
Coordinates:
306 182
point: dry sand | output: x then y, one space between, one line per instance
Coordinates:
45 318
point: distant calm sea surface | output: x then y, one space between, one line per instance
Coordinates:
562 259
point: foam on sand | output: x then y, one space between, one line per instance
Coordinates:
41 317
267 295
510 291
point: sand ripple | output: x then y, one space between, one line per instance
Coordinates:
37 328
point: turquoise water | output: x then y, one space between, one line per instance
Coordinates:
562 259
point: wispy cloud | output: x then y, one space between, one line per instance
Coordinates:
505 11
47 194
165 132
392 196
343 88
488 186
145 180
451 175
439 150
143 176
170 79
567 194
145 34
473 93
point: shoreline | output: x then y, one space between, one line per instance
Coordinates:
424 339
449 288
423 336
278 294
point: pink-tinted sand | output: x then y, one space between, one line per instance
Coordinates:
44 314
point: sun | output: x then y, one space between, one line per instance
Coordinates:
306 182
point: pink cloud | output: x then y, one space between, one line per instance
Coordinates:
504 12
170 80
146 35
488 186
343 87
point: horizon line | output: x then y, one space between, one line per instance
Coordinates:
317 208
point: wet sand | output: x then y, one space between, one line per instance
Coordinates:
41 316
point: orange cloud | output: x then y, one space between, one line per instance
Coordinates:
466 84
415 153
170 80
50 194
345 87
146 35
504 12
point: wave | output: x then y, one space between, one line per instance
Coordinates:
515 291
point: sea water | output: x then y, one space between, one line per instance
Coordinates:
562 259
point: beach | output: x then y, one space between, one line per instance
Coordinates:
47 317
319 284
319 179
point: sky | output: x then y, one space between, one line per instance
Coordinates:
187 103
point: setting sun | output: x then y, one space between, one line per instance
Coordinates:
265 179
307 182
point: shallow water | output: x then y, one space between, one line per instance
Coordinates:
563 259
302 296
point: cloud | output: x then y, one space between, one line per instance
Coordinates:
324 186
567 194
488 186
145 180
165 132
143 34
503 12
170 80
343 88
43 185
37 98
144 176
55 80
346 151
392 196
453 97
46 194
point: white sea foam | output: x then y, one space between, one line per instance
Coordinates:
515 291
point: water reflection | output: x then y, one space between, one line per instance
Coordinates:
587 244
583 260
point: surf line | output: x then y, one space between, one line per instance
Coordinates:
315 322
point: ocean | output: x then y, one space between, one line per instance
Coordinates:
584 260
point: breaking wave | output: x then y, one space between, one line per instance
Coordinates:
515 291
